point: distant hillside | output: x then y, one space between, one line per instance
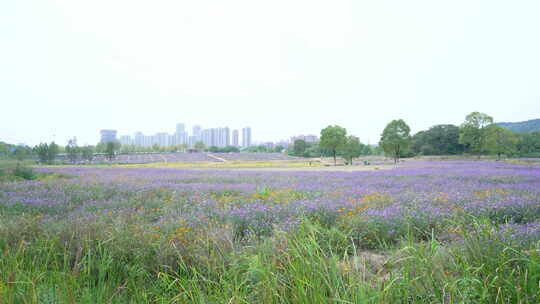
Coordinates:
522 126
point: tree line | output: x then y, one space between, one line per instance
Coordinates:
477 135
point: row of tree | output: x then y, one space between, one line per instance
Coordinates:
47 153
334 141
477 135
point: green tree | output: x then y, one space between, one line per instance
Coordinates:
72 150
299 147
529 144
182 147
110 149
473 132
53 152
42 150
199 146
438 140
500 141
351 149
256 149
87 153
333 138
229 149
279 149
395 138
213 149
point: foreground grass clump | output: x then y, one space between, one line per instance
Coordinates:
12 171
436 232
95 266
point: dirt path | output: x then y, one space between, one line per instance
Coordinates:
217 157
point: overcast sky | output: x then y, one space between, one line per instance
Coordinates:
284 67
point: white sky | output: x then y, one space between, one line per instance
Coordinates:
72 67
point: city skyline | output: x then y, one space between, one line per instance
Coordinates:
218 137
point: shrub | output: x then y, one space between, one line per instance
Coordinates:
24 172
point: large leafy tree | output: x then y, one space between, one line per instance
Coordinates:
333 138
529 143
300 146
395 138
46 152
199 145
501 141
351 149
87 153
110 149
438 140
42 151
473 132
53 152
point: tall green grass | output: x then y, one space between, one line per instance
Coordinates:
100 263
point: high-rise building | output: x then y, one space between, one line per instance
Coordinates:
161 139
226 137
126 140
218 137
108 136
246 137
235 138
306 138
179 138
191 141
214 135
205 137
147 140
196 132
139 139
180 128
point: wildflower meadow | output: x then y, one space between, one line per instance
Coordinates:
447 231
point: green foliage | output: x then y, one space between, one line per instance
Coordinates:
113 262
529 143
395 138
111 148
278 149
46 152
53 152
501 141
299 147
438 140
15 171
18 152
24 172
199 145
351 149
87 153
11 171
72 150
258 149
473 132
42 150
333 138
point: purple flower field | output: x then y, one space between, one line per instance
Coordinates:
423 194
146 158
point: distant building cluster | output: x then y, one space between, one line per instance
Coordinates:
107 136
218 137
306 138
